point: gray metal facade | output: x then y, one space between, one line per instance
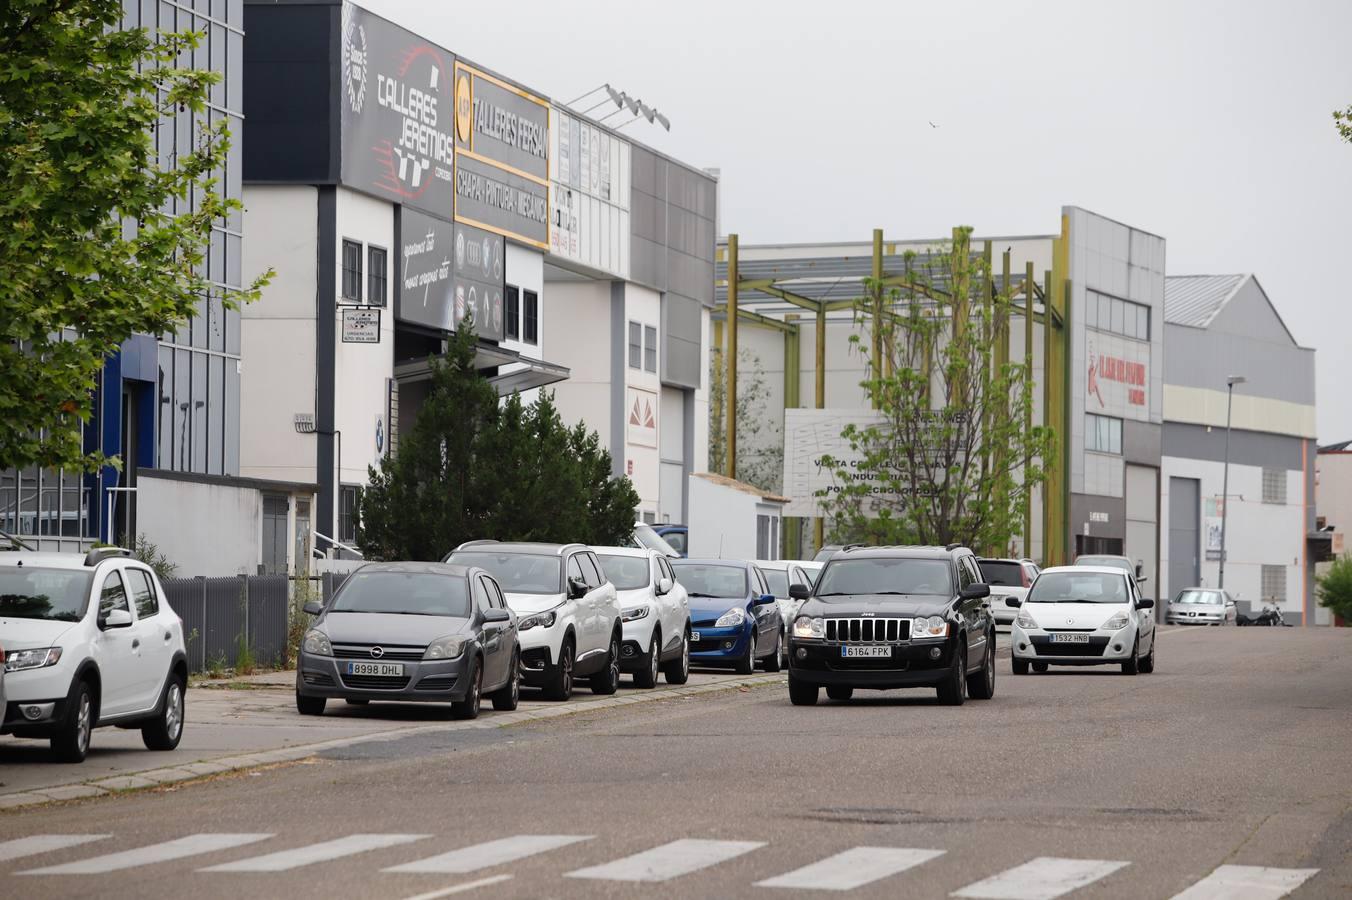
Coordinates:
1247 448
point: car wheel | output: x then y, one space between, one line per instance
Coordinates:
678 670
646 677
981 686
560 684
356 701
953 690
1148 664
309 706
801 693
1133 665
1020 666
772 661
164 733
747 664
71 741
469 707
1041 668
839 692
508 697
607 681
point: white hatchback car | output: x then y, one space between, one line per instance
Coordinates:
655 611
1083 616
1007 578
89 641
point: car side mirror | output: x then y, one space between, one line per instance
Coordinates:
664 585
576 589
495 614
313 608
764 599
976 591
1145 603
1014 602
799 591
115 618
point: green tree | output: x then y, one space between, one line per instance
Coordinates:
950 458
1334 588
473 467
1342 118
98 241
760 441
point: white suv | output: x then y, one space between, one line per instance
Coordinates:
89 641
568 616
655 611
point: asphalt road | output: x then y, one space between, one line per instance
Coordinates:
1080 782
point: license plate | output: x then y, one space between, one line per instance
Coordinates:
866 652
1064 638
384 670
694 635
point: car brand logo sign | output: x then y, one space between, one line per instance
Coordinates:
377 652
1069 620
354 60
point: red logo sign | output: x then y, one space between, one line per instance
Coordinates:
1122 371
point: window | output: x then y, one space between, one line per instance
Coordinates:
649 349
1274 486
1274 584
114 595
481 594
1122 317
347 514
964 574
1103 434
575 569
351 271
375 276
513 312
635 345
591 570
530 317
495 597
143 593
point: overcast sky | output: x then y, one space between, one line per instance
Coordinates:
1205 122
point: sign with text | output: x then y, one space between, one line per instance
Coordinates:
426 296
480 269
397 114
1117 377
361 326
502 202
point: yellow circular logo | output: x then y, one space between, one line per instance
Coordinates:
464 107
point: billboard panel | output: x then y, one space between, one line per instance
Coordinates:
500 201
1117 377
448 270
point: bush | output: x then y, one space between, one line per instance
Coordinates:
1334 588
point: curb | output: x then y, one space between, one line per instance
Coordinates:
182 772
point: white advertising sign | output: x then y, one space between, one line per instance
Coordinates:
588 197
811 441
641 417
1117 377
361 326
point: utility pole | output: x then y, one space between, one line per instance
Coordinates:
1225 479
730 357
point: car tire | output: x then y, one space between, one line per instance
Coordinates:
1020 666
607 681
772 661
508 697
839 692
165 731
1133 665
1148 664
70 743
678 670
1040 668
469 707
747 664
310 706
646 677
559 685
981 686
952 690
356 701
801 693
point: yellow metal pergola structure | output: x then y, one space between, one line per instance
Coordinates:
811 289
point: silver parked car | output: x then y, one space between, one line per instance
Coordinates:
1203 606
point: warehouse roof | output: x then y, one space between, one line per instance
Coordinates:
1194 300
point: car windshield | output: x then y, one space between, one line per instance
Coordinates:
710 579
627 573
518 573
778 581
1212 598
1005 574
1078 587
884 575
56 594
403 593
1112 562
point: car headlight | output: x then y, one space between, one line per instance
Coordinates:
933 627
633 613
16 660
1025 620
1116 623
543 620
317 642
731 618
808 627
446 647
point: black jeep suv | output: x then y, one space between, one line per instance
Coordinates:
894 617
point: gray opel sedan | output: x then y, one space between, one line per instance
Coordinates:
411 631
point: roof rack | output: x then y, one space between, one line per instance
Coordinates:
97 555
953 546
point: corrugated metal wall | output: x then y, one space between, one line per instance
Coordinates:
218 612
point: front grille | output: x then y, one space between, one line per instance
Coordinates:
375 682
392 652
705 646
851 664
316 678
436 683
868 630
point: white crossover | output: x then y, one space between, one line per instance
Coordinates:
655 611
1083 616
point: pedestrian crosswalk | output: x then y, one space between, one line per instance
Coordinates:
1041 878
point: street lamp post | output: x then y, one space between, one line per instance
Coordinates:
1225 479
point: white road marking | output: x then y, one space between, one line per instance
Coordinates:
669 860
490 853
286 860
853 868
461 888
1041 879
192 845
43 843
1247 883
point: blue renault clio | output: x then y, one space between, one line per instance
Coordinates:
734 618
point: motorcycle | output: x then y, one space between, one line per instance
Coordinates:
1271 616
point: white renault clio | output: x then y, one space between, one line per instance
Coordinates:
1083 616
